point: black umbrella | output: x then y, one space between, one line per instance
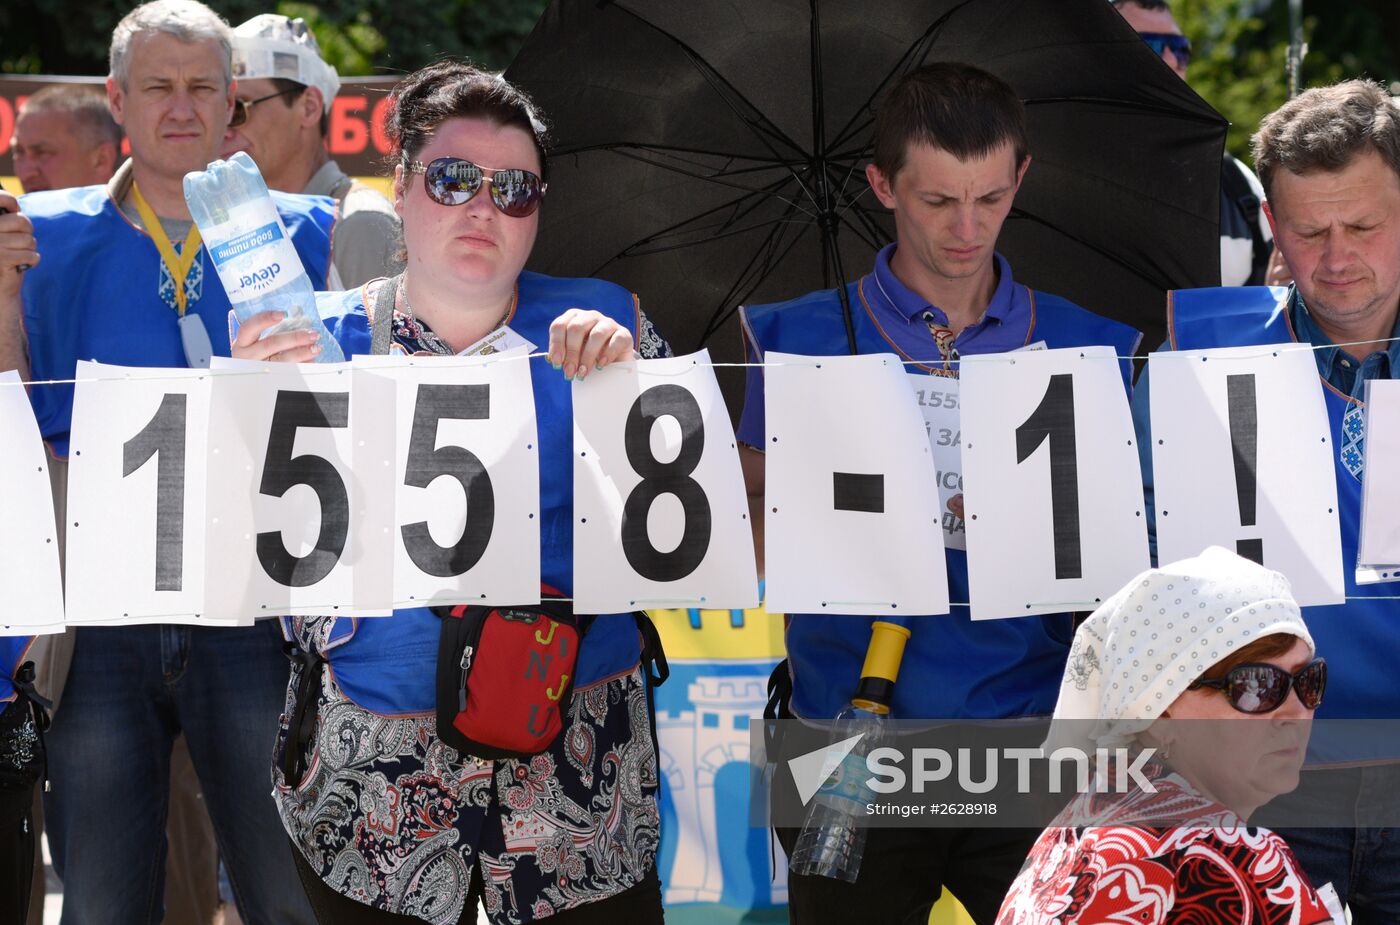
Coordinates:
710 153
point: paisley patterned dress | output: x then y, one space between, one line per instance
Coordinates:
393 818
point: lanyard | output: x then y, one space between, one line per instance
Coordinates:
178 264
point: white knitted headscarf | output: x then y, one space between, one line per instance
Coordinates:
1146 644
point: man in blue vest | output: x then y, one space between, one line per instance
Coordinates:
118 277
950 153
1329 161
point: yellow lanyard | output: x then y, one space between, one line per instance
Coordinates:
178 264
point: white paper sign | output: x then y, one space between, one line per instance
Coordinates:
1380 497
29 543
852 519
938 398
465 478
283 535
1054 504
136 493
661 517
1242 458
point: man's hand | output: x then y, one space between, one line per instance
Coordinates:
581 340
955 504
17 247
286 347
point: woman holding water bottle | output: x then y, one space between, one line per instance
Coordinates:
390 822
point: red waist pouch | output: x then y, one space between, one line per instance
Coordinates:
505 676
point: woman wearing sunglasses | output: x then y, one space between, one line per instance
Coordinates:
389 823
1208 663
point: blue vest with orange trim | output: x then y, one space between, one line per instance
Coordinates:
952 668
386 665
94 295
1360 636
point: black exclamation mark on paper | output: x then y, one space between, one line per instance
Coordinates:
1244 443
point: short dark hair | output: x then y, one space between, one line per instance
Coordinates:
289 87
448 89
85 103
1260 650
1326 128
1150 5
958 108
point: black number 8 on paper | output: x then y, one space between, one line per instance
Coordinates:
669 478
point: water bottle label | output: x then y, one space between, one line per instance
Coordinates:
252 252
845 787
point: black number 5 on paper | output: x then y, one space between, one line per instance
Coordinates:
670 478
426 462
1053 421
282 471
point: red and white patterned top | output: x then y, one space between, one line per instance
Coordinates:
1211 870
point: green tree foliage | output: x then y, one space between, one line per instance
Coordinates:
358 36
1241 52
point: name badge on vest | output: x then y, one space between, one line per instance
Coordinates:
194 337
498 341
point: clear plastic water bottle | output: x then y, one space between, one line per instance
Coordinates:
251 250
832 840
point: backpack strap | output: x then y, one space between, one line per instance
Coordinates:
382 319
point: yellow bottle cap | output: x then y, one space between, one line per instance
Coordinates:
886 651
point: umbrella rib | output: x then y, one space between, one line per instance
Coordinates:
763 129
710 178
916 51
746 282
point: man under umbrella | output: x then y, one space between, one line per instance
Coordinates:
950 154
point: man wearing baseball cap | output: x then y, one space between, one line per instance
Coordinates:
280 119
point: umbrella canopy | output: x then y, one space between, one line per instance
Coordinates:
711 153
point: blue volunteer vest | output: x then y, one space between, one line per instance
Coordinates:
952 668
94 294
386 665
12 652
1360 636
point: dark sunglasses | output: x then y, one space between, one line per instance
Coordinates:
1180 45
453 181
1262 688
241 107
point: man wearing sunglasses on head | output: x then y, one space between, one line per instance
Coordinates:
1330 162
1246 243
280 119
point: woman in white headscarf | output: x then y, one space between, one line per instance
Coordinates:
1208 663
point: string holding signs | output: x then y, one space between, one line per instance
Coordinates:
1052 481
1379 543
851 510
1242 458
661 517
29 570
464 481
136 496
281 536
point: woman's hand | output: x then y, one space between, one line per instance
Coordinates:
286 347
581 340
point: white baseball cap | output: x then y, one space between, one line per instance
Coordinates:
273 46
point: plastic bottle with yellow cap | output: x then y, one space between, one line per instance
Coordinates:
832 840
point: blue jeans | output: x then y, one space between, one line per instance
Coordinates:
1363 865
129 691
